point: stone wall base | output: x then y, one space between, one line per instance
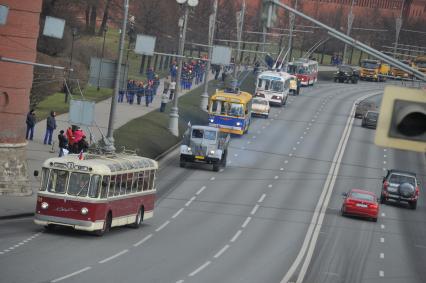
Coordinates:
14 170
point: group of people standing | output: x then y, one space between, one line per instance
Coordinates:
192 73
72 141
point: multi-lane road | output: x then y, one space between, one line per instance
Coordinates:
271 216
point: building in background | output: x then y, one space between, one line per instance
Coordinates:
18 40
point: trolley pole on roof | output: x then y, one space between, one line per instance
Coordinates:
290 38
212 26
109 141
240 25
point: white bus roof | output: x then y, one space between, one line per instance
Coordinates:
101 164
281 75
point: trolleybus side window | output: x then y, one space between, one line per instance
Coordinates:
104 186
112 186
44 178
135 182
123 184
129 183
94 187
151 179
140 181
117 185
57 181
146 181
79 184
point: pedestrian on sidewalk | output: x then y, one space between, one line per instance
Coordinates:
172 89
63 143
50 127
164 100
31 121
140 93
120 96
71 138
166 85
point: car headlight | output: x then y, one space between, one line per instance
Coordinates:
238 124
44 205
189 149
84 210
212 152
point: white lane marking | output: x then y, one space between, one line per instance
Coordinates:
143 240
385 156
262 197
246 222
323 201
199 268
253 137
190 201
382 255
382 226
1 253
221 170
229 162
285 161
384 161
313 120
294 148
385 150
11 248
177 213
381 273
236 154
255 208
162 226
180 281
114 256
71 274
382 240
383 214
200 190
219 253
236 236
301 137
384 169
270 186
281 169
212 178
276 177
298 142
290 154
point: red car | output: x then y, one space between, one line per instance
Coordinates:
360 203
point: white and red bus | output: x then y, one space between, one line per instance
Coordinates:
306 71
274 86
97 193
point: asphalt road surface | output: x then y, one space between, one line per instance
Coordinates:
271 216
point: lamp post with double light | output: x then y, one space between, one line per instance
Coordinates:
174 113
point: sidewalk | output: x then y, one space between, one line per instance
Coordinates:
37 152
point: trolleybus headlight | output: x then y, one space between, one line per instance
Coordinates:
84 210
212 152
44 205
211 120
238 124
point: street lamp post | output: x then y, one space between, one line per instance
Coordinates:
398 26
174 113
102 58
67 89
290 38
212 26
348 31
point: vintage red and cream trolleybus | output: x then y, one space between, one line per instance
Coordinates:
96 193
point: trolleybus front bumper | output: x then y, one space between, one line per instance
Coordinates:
45 220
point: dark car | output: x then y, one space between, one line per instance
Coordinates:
346 74
364 106
400 186
370 119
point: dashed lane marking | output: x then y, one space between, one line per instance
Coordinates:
219 253
162 226
382 226
213 178
383 214
281 169
143 240
246 222
114 256
285 161
382 240
382 255
236 236
177 213
199 268
276 177
71 274
255 208
381 273
290 154
270 186
200 190
262 197
190 201
11 248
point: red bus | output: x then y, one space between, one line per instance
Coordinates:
306 71
97 193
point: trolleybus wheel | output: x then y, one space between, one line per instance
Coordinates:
106 227
139 219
